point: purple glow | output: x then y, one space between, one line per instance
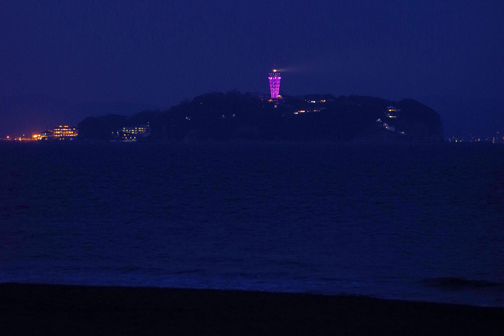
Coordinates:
274 81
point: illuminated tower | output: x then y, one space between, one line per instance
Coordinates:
274 81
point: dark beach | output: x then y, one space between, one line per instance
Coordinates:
81 310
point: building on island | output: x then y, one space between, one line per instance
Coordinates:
132 133
274 82
46 135
65 133
59 133
392 112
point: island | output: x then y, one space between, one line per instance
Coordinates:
235 116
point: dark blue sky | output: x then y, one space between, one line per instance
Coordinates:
161 52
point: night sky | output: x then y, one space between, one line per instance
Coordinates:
446 54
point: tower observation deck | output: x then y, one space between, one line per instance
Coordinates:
274 82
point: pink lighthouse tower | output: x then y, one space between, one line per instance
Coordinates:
274 82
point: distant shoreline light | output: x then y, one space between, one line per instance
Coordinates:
59 133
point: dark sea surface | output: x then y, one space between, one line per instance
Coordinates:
402 221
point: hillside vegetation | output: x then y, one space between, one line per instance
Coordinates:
236 116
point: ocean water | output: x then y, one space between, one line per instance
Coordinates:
418 222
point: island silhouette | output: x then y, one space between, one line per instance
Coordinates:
235 116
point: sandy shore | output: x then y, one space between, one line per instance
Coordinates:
79 310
